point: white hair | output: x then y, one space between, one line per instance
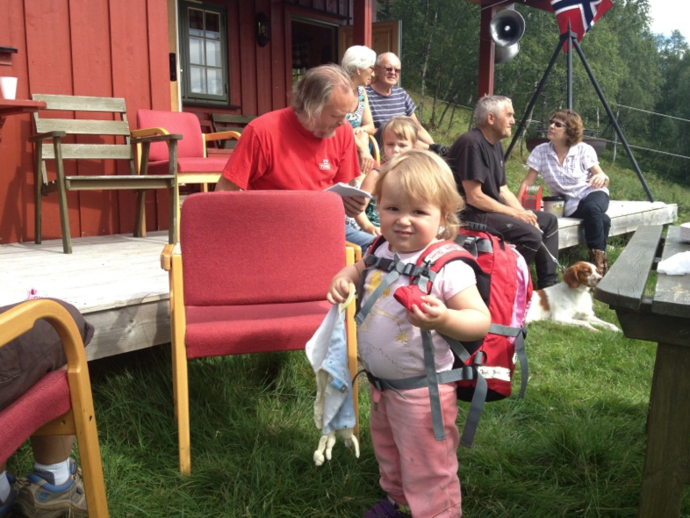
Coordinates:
391 55
489 104
358 57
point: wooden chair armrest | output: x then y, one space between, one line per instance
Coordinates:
46 136
356 248
148 132
222 135
155 138
166 255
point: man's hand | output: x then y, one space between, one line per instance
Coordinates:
354 205
527 216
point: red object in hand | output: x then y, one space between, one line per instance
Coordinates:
410 296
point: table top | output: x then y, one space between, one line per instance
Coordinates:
627 286
18 106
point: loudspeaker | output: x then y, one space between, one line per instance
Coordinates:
506 29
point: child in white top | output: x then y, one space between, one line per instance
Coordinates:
418 205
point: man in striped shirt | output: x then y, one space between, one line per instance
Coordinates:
387 100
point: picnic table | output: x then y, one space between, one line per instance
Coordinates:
662 317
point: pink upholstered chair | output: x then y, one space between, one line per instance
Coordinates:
60 403
193 164
250 275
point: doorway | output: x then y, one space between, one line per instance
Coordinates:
313 43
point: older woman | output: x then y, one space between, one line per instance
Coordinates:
570 168
358 62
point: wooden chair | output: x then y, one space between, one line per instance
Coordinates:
193 166
374 146
60 403
229 122
250 275
116 145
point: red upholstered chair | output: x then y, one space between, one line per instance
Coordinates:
194 166
60 403
250 275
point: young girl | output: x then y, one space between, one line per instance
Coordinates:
418 204
398 136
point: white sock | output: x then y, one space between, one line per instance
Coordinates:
4 487
58 472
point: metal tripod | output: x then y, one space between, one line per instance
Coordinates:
571 38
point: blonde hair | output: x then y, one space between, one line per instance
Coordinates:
401 127
425 176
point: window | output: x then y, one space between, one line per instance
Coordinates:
203 49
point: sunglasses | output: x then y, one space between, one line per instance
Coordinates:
391 70
557 124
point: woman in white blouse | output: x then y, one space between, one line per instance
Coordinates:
571 168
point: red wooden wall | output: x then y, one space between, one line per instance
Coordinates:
111 48
119 48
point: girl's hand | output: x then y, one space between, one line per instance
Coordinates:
372 229
339 290
430 316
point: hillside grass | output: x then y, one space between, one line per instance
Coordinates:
573 447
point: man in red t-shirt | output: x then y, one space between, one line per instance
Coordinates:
308 146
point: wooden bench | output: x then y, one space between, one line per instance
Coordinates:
108 138
626 217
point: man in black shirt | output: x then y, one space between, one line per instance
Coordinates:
476 159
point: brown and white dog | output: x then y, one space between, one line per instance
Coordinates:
569 302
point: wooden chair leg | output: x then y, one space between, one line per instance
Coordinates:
140 222
87 440
181 386
38 196
62 199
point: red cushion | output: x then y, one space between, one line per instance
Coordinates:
223 330
45 401
192 165
185 124
260 247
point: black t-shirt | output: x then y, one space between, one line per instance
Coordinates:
472 157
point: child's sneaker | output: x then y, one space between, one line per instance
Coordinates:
387 509
39 499
6 506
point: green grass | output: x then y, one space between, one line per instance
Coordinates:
573 447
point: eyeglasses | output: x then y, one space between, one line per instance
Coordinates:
391 70
557 124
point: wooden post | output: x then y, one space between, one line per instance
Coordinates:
486 54
362 19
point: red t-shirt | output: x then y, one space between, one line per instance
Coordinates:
277 153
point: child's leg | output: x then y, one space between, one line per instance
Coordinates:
429 468
387 454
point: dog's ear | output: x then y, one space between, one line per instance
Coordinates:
570 277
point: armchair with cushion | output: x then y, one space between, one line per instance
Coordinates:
60 403
250 275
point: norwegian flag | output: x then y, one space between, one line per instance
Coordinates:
581 14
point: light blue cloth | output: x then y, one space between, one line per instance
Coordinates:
327 353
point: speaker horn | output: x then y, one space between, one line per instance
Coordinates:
506 29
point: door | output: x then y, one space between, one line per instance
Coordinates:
385 37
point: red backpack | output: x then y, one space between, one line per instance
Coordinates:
484 368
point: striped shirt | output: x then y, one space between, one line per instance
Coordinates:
384 108
569 179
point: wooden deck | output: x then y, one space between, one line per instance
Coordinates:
118 284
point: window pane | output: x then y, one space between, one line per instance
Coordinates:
196 22
196 51
215 81
198 80
213 53
212 25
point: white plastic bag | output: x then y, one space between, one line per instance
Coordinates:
678 264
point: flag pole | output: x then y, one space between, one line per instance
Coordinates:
569 59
